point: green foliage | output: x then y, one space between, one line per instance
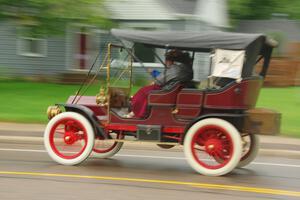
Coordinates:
251 9
263 9
290 7
44 17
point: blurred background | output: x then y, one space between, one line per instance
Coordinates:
47 47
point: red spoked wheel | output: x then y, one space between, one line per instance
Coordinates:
69 138
107 148
213 147
250 149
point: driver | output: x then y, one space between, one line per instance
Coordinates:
178 70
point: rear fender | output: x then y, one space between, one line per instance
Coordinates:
237 120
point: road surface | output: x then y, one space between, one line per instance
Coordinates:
27 172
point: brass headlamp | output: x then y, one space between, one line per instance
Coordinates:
52 111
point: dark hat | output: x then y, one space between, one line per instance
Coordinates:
178 56
174 55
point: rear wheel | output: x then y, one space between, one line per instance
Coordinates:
69 138
213 147
105 148
250 149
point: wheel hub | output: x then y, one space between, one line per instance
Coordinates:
70 138
212 146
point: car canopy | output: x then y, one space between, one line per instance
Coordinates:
204 41
197 41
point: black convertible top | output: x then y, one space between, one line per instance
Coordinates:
197 41
206 41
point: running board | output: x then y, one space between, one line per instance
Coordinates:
144 141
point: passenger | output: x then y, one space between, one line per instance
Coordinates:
178 70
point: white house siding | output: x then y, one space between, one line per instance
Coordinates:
133 14
213 12
102 38
138 9
13 64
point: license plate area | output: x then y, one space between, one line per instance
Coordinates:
149 132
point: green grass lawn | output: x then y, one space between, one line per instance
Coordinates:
27 102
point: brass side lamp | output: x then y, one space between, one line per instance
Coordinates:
101 98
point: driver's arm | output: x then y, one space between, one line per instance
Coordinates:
172 73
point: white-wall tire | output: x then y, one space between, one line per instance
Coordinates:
108 152
249 152
64 134
216 137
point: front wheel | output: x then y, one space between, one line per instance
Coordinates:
69 138
213 147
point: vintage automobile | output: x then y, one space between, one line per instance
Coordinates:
210 122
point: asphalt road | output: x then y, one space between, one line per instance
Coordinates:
27 172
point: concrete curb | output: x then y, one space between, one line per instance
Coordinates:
7 126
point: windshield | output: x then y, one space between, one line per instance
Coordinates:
120 69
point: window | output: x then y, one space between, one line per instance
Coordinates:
145 54
32 47
201 66
228 63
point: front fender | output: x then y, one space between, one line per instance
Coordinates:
88 113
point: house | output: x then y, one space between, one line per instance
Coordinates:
75 51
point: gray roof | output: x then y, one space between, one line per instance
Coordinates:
289 28
200 41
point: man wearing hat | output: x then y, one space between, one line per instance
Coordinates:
178 70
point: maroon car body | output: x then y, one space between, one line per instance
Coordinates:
205 116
